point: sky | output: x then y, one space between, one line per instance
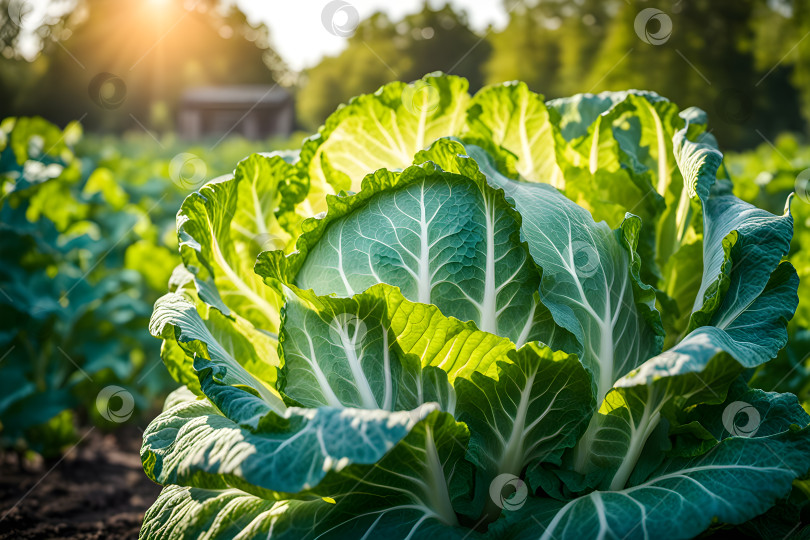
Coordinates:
299 35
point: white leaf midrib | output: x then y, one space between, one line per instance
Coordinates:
236 280
488 308
606 323
350 346
425 284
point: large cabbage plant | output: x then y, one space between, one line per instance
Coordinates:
509 318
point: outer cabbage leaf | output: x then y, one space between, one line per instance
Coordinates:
591 280
221 351
737 479
384 130
698 369
378 350
748 321
405 494
741 242
192 444
442 238
751 335
538 407
515 118
225 225
347 496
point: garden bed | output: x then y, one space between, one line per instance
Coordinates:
97 491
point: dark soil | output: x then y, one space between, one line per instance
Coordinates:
98 490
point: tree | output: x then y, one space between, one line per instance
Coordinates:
706 61
380 51
549 45
526 50
16 74
127 61
781 46
714 54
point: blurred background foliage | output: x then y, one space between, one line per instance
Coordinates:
381 51
746 62
87 244
87 237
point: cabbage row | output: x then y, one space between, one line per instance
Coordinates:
81 262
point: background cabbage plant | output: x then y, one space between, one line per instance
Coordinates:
75 293
488 316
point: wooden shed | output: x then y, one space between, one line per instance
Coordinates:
254 111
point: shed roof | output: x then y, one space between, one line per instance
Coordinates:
244 94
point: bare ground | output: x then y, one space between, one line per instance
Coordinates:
98 490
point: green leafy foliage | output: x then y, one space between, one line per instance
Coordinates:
87 246
73 297
509 318
766 176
